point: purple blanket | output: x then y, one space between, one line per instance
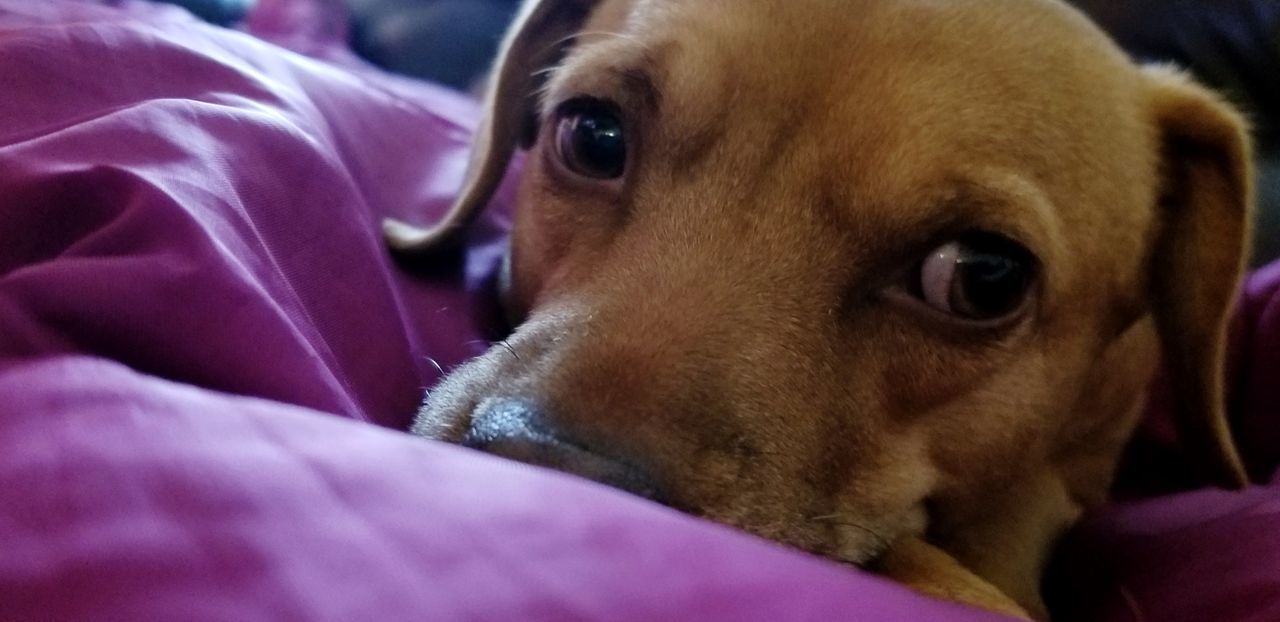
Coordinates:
206 357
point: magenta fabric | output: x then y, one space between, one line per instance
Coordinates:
188 218
128 497
206 359
1173 549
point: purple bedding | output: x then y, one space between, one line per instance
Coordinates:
206 358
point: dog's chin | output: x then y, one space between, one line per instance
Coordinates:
506 432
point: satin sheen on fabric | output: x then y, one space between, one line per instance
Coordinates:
207 356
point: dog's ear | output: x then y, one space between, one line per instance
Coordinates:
537 39
1198 258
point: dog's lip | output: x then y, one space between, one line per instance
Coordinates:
534 444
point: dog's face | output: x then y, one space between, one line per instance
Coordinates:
840 273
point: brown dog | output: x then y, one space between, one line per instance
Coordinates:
852 275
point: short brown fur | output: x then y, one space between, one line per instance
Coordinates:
721 317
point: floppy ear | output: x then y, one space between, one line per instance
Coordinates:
541 32
1198 260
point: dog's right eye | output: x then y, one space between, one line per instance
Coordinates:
979 278
591 141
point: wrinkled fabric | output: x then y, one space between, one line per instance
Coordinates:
207 358
128 497
199 324
201 206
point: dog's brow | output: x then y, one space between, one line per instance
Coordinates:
640 85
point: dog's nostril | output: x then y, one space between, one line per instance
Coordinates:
504 421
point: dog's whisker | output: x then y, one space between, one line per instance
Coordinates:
840 520
436 364
618 35
562 41
510 349
604 34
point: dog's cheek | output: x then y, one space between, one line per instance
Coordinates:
525 265
558 238
996 434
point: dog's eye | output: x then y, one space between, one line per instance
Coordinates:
979 277
591 140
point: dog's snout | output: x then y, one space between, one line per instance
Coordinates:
519 430
505 422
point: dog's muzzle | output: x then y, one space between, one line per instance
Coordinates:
515 429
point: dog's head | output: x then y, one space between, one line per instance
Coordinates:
839 272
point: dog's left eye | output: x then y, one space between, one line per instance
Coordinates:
980 277
591 141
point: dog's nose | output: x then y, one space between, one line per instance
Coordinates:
517 430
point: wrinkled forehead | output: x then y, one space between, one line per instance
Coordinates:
988 77
884 98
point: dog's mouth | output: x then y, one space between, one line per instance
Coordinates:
514 429
511 429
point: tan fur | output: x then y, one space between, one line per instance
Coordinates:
929 570
720 319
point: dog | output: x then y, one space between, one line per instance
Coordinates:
882 280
